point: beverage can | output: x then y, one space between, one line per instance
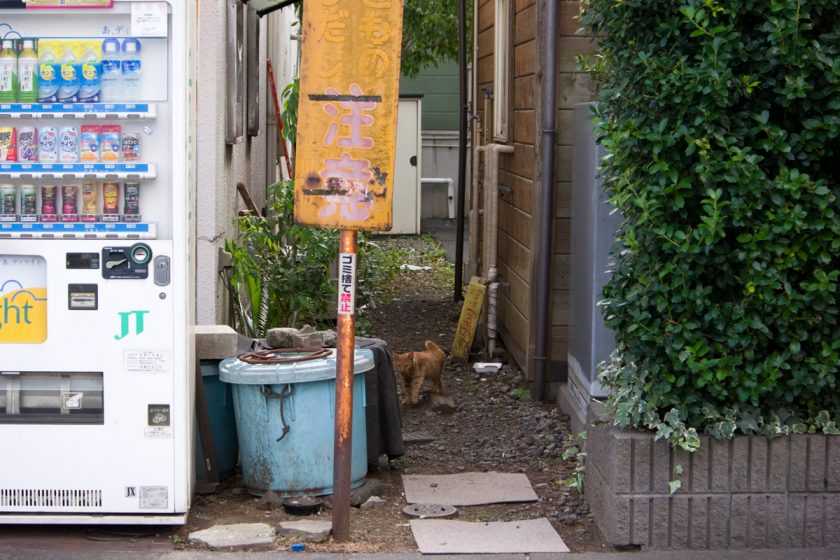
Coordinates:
111 135
27 144
90 143
47 144
8 199
89 201
8 144
28 202
110 198
68 144
131 146
131 202
48 203
69 199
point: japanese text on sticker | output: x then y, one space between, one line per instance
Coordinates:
346 284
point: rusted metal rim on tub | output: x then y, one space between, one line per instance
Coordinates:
274 355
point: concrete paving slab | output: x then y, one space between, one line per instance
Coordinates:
306 530
468 489
464 537
238 535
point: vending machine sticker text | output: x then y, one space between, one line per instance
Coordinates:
154 497
146 361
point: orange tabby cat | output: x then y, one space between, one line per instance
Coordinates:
416 367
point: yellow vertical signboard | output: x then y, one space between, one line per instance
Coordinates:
347 114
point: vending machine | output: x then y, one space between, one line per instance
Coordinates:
96 266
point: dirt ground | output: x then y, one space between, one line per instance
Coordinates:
495 427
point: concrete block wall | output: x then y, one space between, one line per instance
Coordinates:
747 493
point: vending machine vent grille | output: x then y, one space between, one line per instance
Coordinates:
58 499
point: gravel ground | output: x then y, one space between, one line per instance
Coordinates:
494 426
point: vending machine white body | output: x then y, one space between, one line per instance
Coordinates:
96 309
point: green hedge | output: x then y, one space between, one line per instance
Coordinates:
722 122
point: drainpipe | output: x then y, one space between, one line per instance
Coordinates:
476 141
475 210
462 150
491 235
543 293
477 207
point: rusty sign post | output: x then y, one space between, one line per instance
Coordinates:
347 120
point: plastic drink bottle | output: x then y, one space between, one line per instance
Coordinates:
91 76
49 71
131 68
70 79
111 70
28 73
8 73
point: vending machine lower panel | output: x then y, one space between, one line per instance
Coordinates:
94 417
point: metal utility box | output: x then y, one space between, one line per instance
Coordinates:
594 224
407 169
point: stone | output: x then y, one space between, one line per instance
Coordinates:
360 495
306 530
442 404
307 337
372 502
417 438
270 500
239 535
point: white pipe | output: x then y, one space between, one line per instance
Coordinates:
491 235
450 192
474 208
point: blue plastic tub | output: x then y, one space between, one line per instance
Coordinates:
301 461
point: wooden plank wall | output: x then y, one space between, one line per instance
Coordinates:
519 170
517 173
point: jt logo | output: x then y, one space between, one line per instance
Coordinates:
125 320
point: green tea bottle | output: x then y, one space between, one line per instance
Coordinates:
8 73
28 73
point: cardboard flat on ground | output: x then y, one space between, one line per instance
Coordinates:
462 537
468 489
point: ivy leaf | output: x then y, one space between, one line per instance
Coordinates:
673 486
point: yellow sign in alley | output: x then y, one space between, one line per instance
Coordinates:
347 116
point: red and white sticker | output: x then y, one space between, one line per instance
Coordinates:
346 283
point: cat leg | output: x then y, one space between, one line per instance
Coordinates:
406 389
416 385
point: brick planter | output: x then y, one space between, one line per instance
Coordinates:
748 493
